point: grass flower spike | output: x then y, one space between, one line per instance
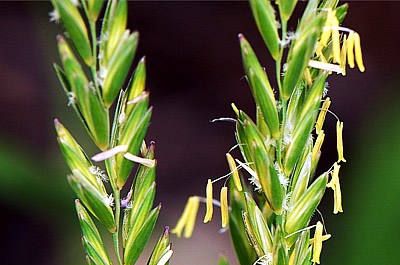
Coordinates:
270 216
107 60
350 44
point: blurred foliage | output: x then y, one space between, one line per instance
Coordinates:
28 177
367 232
32 187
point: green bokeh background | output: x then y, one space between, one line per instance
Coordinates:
194 73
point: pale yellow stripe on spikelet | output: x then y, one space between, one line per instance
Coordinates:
307 77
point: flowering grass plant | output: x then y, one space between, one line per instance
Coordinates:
108 59
269 217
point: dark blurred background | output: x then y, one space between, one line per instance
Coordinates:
194 73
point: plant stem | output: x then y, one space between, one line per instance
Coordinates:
117 215
279 60
110 167
283 102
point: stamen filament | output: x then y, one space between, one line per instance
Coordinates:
325 66
140 160
110 153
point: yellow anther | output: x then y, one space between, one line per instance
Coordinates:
322 115
339 140
188 218
307 77
235 109
343 56
317 146
234 171
327 31
350 49
209 204
357 48
324 238
224 206
337 197
292 258
317 242
192 216
335 176
335 40
334 184
321 56
182 220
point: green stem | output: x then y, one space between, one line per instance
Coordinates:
109 162
283 102
117 216
92 26
110 167
279 60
